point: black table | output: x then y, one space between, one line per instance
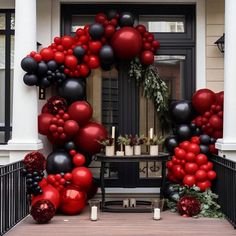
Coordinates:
107 205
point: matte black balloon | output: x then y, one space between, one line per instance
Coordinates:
59 161
96 31
52 65
106 55
30 79
181 111
111 14
171 143
170 189
183 132
70 145
79 52
42 68
126 19
213 140
45 83
204 149
205 139
29 65
175 197
72 89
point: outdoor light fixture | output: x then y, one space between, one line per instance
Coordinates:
221 43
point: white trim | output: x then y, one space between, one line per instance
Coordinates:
131 190
200 28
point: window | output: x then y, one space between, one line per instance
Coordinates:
7 27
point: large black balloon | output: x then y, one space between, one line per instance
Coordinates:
72 89
111 14
171 143
205 139
58 162
96 31
45 83
79 52
181 111
29 65
30 79
42 68
126 19
106 55
183 132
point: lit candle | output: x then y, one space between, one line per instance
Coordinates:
157 214
151 133
94 213
113 130
126 203
132 202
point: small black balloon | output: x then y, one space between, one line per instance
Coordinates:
205 139
197 132
204 149
30 79
174 196
29 65
79 52
183 132
126 19
193 126
52 65
171 143
59 161
170 189
111 14
72 89
96 31
106 55
213 140
70 145
45 82
42 68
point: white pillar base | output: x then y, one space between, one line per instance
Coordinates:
226 150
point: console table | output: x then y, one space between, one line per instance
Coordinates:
107 205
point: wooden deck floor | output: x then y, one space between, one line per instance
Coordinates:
117 224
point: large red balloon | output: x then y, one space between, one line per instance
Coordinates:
80 111
126 43
203 99
49 193
72 200
82 177
88 136
44 123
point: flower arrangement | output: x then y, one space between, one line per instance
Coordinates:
106 141
156 140
127 140
139 140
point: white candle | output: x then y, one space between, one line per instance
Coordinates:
94 213
157 214
151 133
126 203
113 130
132 202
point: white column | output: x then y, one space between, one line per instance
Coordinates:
227 145
25 99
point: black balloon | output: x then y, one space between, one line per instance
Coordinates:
213 140
170 189
181 111
193 126
106 55
204 149
126 19
59 161
197 131
29 65
174 196
70 145
183 132
205 139
42 68
79 52
52 65
45 83
30 79
111 14
96 31
171 143
72 89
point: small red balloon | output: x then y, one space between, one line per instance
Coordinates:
71 127
47 54
191 168
100 18
93 62
204 185
141 29
189 180
95 46
201 159
211 175
82 177
84 70
44 121
147 58
71 61
59 57
67 41
201 175
216 122
109 31
79 159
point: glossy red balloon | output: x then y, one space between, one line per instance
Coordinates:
211 175
72 200
67 41
220 98
180 153
95 46
184 145
126 43
109 31
147 57
82 177
178 171
203 99
201 175
88 136
93 62
216 122
204 185
190 157
80 111
201 159
100 18
44 120
141 29
190 168
79 159
189 180
194 148
71 61
84 70
71 127
59 57
47 54
49 193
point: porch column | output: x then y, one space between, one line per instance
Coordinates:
25 100
227 145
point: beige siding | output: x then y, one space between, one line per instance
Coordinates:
214 58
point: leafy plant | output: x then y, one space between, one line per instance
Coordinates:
156 140
106 142
139 140
126 140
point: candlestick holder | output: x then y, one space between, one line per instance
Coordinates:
94 210
156 207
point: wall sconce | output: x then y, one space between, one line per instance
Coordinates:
221 43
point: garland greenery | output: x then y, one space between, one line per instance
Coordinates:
209 206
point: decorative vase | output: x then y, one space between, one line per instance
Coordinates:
129 150
110 151
137 150
153 150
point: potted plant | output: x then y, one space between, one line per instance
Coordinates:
128 142
153 144
138 141
108 143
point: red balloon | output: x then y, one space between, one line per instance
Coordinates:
47 54
169 164
203 99
43 183
82 177
44 123
84 70
95 46
216 122
220 98
71 61
190 157
80 111
178 171
141 29
147 58
127 43
180 153
201 175
49 193
211 175
195 139
189 180
79 159
72 200
109 31
194 148
93 62
67 41
184 145
59 57
88 136
201 159
100 18
191 167
156 44
71 127
204 185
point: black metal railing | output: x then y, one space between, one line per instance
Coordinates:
14 204
225 186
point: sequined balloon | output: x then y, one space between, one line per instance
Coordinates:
189 206
55 104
